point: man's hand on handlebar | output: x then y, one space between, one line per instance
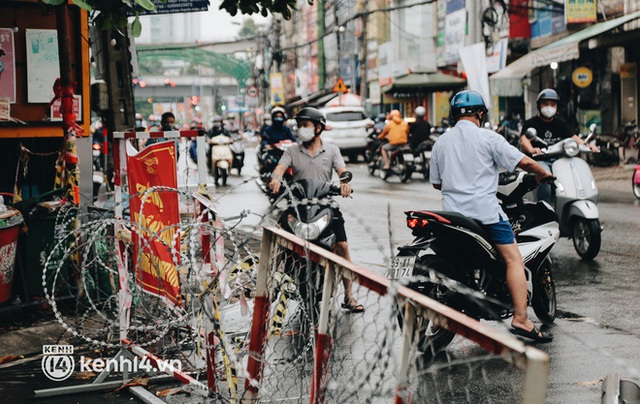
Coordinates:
536 151
345 189
275 184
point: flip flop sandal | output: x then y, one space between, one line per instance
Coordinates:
533 334
352 305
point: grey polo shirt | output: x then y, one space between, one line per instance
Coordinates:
319 167
466 161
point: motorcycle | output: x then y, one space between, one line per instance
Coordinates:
98 165
454 279
267 162
309 215
237 149
221 157
422 154
608 155
401 163
575 196
373 148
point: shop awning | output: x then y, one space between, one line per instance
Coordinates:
508 81
424 82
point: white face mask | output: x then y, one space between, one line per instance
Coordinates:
306 134
548 112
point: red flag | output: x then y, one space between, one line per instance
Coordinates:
154 166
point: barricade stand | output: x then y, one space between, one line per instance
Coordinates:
129 350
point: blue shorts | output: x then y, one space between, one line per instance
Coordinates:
500 233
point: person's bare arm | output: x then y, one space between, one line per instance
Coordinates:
276 178
527 147
531 166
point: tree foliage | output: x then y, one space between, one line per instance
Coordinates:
113 14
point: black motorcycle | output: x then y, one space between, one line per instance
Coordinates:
454 263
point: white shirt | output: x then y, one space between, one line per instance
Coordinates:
466 161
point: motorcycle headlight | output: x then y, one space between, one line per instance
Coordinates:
308 231
571 148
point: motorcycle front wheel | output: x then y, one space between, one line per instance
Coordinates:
586 237
544 294
635 186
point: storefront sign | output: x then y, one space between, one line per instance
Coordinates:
582 77
277 88
455 28
176 6
55 108
580 11
7 65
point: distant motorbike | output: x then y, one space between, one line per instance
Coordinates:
267 162
456 263
98 167
401 164
575 196
221 157
608 155
422 154
372 151
237 148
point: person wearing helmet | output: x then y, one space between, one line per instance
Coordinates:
397 134
312 159
419 130
550 128
465 163
277 131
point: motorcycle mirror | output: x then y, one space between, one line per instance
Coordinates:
593 127
346 176
531 133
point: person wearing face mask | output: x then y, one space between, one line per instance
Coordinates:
550 128
312 159
465 164
277 131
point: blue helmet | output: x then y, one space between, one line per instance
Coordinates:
467 103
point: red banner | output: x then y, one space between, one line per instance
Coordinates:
154 166
519 26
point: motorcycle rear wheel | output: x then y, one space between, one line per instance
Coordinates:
586 237
544 294
432 339
635 187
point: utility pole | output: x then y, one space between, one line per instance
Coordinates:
321 62
363 62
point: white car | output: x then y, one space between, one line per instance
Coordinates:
348 127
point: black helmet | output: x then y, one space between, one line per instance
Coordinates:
547 94
313 115
467 103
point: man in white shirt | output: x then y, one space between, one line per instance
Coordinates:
465 163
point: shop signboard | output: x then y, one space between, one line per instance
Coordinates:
7 65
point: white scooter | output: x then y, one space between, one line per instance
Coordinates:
575 196
221 157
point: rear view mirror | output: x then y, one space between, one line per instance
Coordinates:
531 133
593 127
346 176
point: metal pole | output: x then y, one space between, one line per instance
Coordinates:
321 61
363 62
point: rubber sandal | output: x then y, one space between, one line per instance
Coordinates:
352 305
533 334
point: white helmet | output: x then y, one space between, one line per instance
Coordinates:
420 111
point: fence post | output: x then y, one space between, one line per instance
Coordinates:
323 343
260 313
403 395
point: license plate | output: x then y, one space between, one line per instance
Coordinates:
407 157
400 267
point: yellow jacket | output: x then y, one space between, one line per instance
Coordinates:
396 131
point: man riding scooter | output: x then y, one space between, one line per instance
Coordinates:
551 128
551 143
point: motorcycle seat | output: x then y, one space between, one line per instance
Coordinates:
454 218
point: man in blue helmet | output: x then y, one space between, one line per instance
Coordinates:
465 163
